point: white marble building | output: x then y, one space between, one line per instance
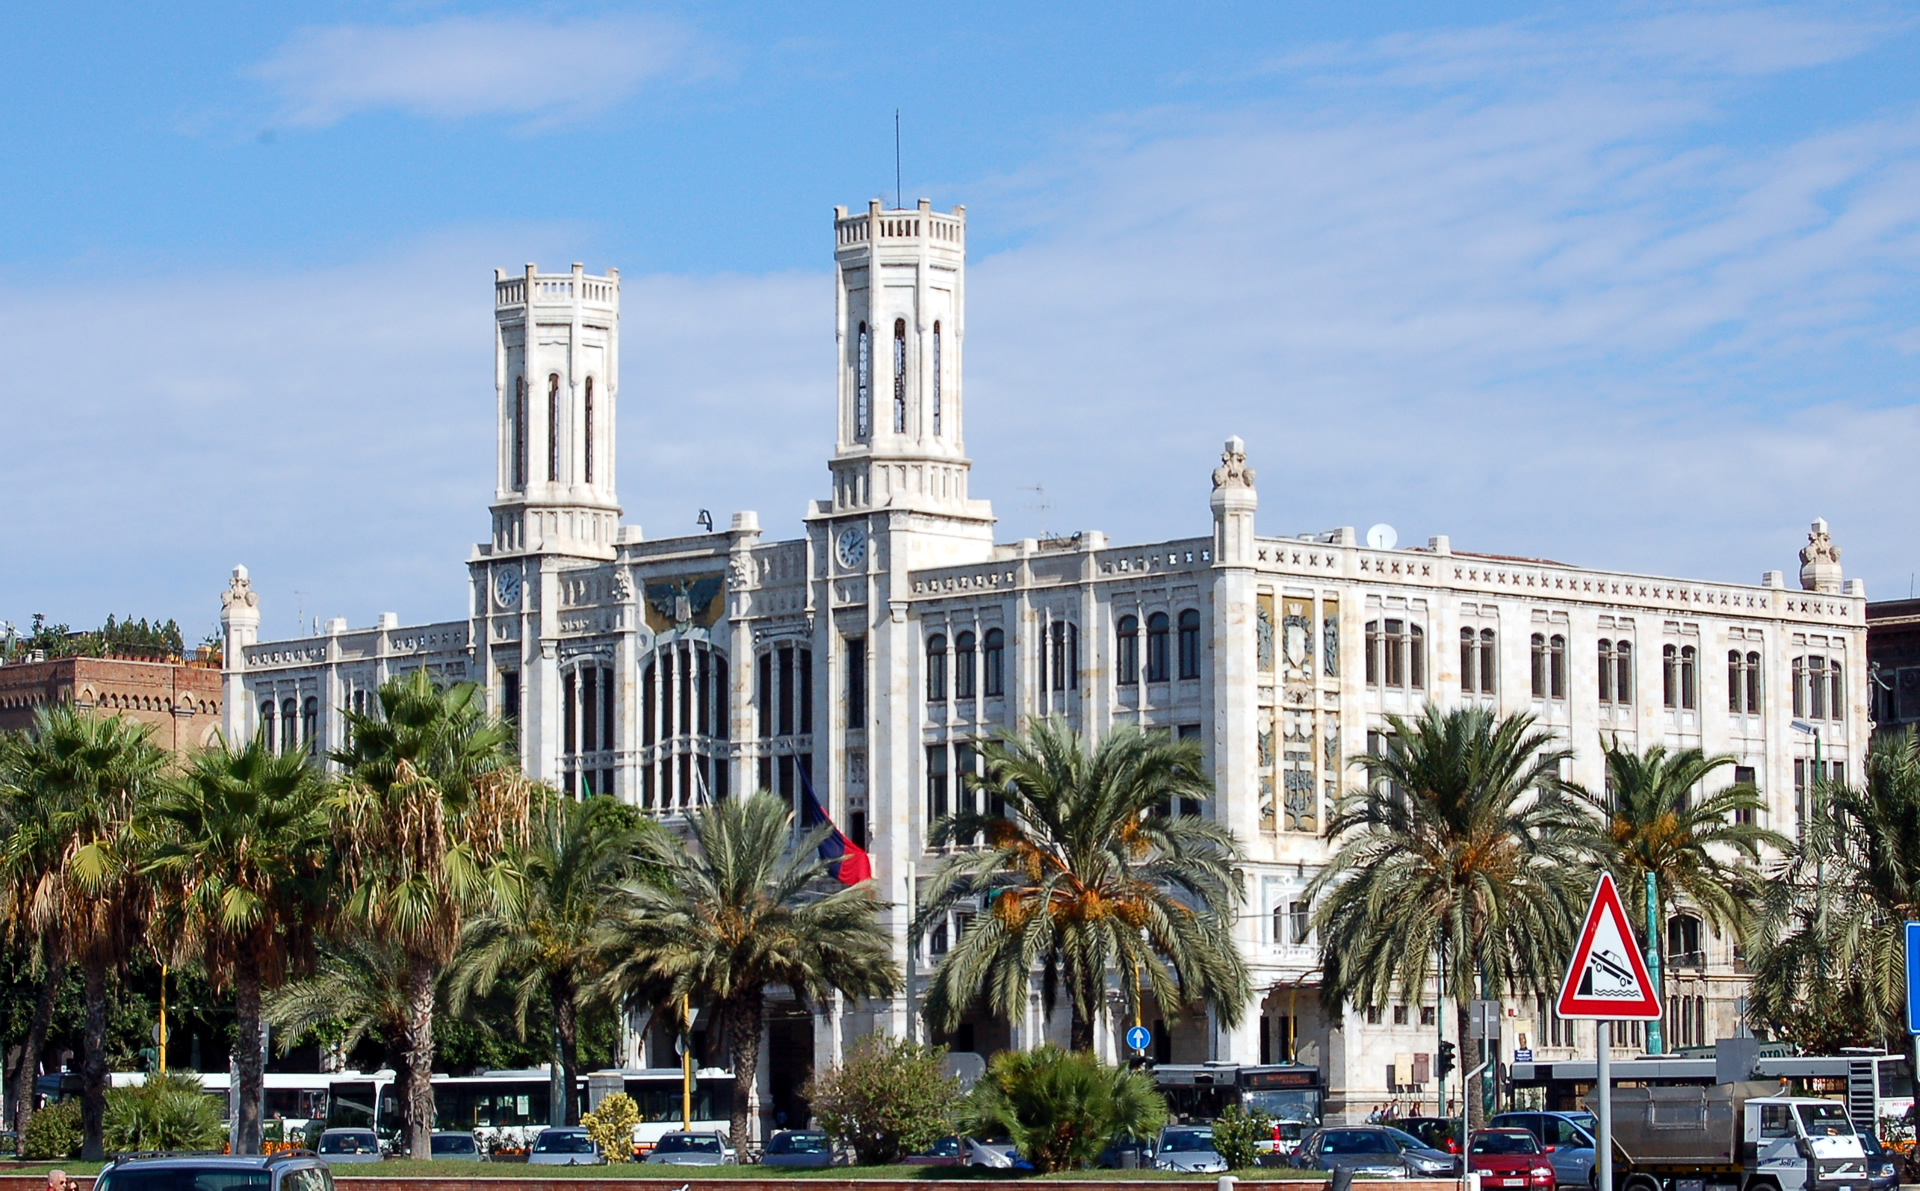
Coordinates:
873 650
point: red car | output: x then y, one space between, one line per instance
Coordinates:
1510 1158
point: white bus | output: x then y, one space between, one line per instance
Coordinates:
295 1102
507 1109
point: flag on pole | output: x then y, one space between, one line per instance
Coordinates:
847 861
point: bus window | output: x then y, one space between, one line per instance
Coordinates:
351 1106
1896 1079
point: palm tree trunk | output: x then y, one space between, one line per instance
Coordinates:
248 1062
1469 1059
1079 1029
36 1045
566 1027
420 982
743 1016
93 1064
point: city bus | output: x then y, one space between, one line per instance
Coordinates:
505 1110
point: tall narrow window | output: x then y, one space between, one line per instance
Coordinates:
587 433
1489 654
1817 687
1066 657
1126 652
289 726
993 664
1623 665
1157 647
936 783
267 725
1539 666
863 384
1557 666
1374 643
1670 676
899 376
1735 677
1837 698
1799 687
310 725
1606 671
963 672
553 428
1416 657
1689 666
936 378
856 682
1190 644
1753 684
520 432
937 669
1469 659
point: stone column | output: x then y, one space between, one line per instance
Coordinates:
240 627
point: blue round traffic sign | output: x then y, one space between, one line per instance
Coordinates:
1139 1037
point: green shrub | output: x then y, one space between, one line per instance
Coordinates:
1237 1135
611 1126
53 1132
168 1112
1061 1108
888 1099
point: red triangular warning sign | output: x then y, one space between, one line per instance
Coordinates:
1608 978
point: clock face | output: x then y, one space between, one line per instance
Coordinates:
506 586
852 547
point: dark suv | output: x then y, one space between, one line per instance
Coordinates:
215 1172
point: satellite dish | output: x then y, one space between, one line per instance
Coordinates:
1382 537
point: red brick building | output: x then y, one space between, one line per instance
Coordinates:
180 699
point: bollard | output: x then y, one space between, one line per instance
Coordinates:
1342 1179
1226 1183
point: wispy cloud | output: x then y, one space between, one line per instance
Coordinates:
543 70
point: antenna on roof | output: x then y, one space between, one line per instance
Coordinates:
896 159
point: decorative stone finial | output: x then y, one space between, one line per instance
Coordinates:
1233 471
1820 560
240 592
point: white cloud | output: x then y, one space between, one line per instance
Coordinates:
546 70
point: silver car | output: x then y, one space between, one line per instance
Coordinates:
1189 1150
343 1146
565 1146
706 1148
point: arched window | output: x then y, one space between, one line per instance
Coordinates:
1489 661
1736 676
310 725
520 432
1670 675
1539 665
936 378
1157 647
553 427
963 673
1557 666
289 726
1469 662
1616 672
863 384
1126 651
936 669
1060 657
1689 667
1416 657
1190 644
1753 684
899 376
993 664
588 432
267 726
684 726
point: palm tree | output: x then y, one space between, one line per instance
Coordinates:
1083 879
1464 843
75 870
431 811
24 809
549 944
747 906
359 986
240 856
1829 950
1667 847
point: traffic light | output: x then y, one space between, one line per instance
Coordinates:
1445 1065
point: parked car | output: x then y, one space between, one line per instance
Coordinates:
1439 1133
1126 1152
339 1146
1883 1165
993 1154
798 1147
229 1172
945 1152
705 1148
1510 1158
1567 1137
457 1147
1188 1149
565 1146
1378 1150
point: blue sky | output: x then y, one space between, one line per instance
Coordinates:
1629 286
